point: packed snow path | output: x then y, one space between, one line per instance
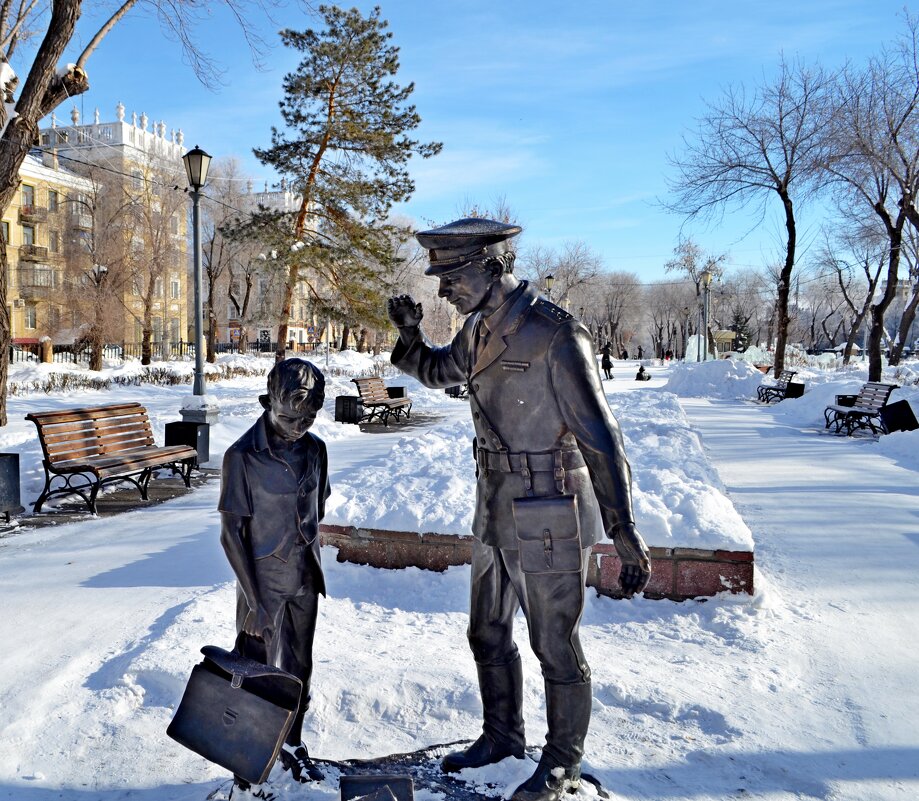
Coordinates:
805 692
837 549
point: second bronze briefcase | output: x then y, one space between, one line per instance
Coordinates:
236 712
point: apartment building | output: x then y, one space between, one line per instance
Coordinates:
36 227
150 265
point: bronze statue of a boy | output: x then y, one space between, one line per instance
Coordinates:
552 479
274 488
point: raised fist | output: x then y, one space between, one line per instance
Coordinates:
404 312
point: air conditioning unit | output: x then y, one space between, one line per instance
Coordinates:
19 303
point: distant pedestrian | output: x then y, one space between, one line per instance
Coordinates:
624 355
641 353
606 362
668 355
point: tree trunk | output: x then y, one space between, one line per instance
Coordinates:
362 341
878 310
284 316
345 335
42 92
95 350
782 318
146 349
211 335
906 322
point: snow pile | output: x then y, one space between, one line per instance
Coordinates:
426 482
721 378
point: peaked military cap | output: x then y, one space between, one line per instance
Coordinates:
456 244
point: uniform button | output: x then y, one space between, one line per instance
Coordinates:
475 387
476 415
482 441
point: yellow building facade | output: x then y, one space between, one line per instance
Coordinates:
148 249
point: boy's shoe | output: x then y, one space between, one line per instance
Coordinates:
243 791
296 759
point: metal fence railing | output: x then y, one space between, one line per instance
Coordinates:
159 351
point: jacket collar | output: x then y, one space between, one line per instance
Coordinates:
260 441
504 323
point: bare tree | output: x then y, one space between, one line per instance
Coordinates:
222 255
156 251
668 309
854 261
96 258
690 259
872 154
38 34
749 149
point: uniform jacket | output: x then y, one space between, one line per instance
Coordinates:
536 383
276 506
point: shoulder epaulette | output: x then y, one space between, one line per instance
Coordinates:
548 309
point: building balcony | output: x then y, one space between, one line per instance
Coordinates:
36 282
82 222
32 253
32 214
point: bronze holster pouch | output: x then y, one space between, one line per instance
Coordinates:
548 533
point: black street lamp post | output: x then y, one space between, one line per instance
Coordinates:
196 165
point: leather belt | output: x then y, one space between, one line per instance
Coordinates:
546 462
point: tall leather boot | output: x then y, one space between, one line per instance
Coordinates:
501 688
559 770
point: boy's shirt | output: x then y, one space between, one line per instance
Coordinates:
278 506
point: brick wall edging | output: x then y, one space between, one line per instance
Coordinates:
678 573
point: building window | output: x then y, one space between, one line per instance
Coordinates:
28 235
28 196
136 288
30 318
174 289
174 330
157 329
6 232
232 314
137 179
54 242
158 288
53 200
54 317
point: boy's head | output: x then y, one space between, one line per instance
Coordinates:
296 392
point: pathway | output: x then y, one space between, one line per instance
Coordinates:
837 533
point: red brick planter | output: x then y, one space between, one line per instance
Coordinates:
678 573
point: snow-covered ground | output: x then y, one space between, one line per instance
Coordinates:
806 690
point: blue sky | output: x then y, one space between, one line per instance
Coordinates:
567 111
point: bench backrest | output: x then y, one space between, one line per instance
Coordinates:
784 377
874 395
93 431
371 389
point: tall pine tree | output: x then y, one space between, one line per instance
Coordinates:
345 152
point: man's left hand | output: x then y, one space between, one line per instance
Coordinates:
636 560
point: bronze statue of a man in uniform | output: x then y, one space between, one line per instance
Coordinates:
552 479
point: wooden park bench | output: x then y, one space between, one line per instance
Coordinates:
860 411
380 402
87 449
767 393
